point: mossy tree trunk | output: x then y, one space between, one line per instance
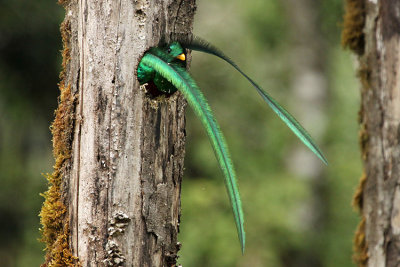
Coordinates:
114 197
372 30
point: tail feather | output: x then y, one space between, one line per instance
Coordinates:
199 44
179 77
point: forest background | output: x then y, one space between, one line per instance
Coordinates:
298 212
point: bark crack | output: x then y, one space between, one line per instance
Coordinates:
78 148
115 126
113 254
176 17
82 6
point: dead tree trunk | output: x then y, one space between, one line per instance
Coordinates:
114 197
372 30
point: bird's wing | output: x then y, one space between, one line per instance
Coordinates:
199 44
181 79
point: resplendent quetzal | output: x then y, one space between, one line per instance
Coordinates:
165 66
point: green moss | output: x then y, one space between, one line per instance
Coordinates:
363 140
353 25
364 74
354 39
358 196
360 255
64 2
65 29
54 214
360 247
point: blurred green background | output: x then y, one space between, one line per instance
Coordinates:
298 211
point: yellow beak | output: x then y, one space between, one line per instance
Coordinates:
181 57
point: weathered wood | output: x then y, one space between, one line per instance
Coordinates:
122 183
378 237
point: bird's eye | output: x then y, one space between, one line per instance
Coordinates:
169 50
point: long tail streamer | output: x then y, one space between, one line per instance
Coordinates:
199 44
181 79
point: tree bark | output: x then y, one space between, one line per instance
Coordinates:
121 179
372 30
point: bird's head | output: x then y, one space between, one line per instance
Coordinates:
176 51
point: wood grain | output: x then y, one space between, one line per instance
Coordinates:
122 184
380 134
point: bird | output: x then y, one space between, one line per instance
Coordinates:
171 54
165 67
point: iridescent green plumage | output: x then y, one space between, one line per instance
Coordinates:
165 67
168 54
164 64
199 44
